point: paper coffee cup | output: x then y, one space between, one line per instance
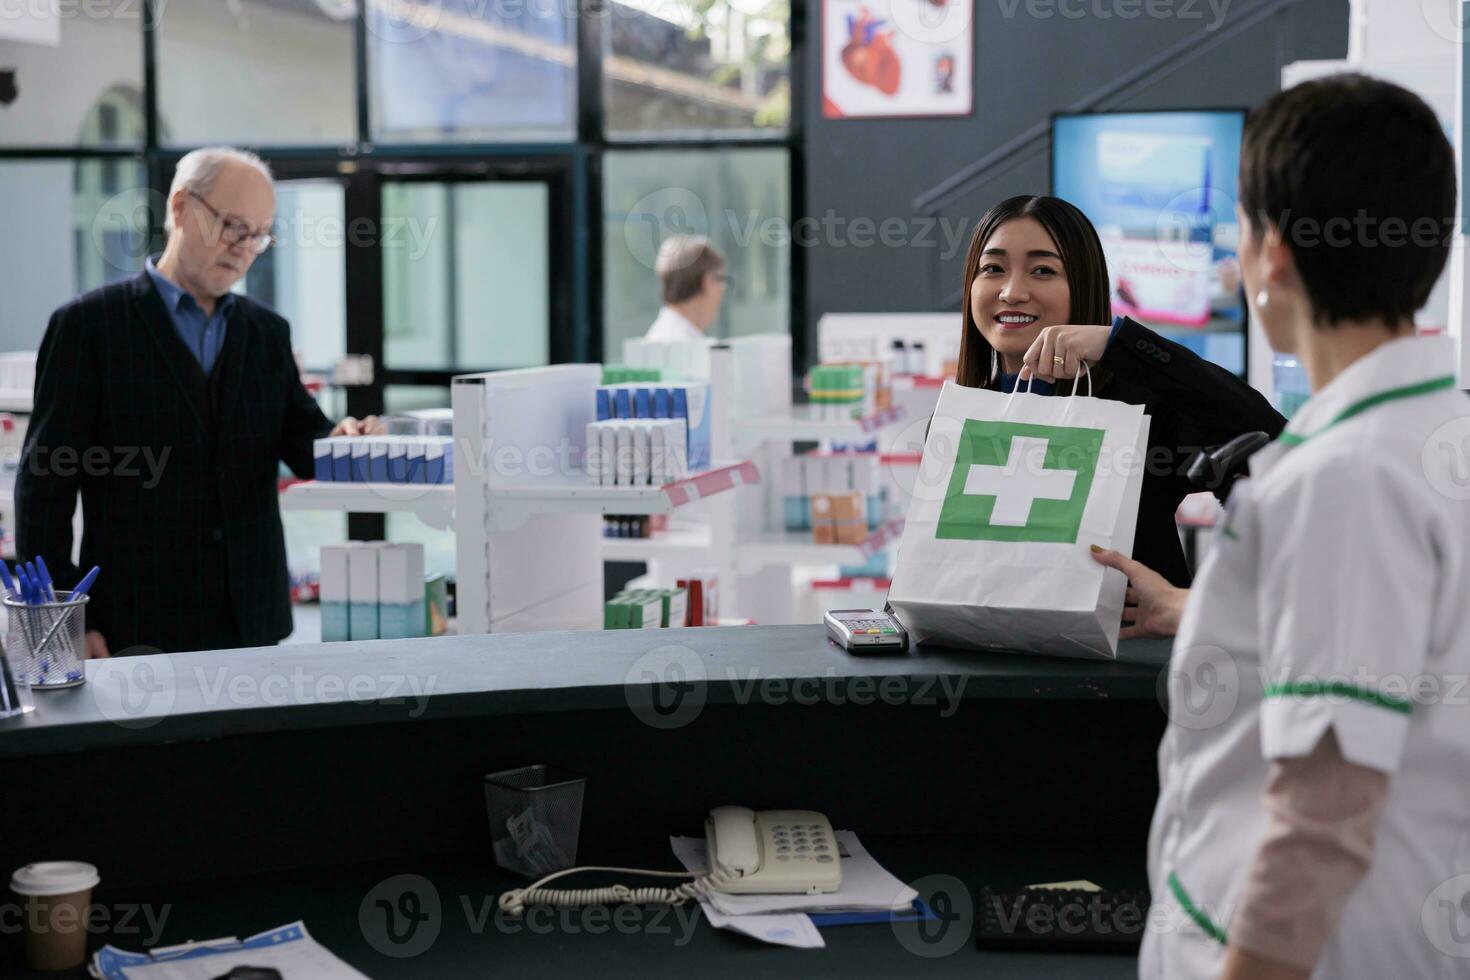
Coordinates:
56 896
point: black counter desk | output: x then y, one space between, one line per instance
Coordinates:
249 788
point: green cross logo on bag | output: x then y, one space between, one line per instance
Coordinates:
1018 482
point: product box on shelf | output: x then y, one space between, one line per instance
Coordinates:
384 459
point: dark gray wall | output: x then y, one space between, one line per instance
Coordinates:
1026 68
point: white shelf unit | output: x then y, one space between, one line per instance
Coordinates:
433 503
528 542
577 495
679 542
798 548
15 400
805 423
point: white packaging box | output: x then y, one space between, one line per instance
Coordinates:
334 572
397 458
362 590
814 474
401 591
792 477
839 473
677 440
377 468
607 435
595 462
623 459
658 452
360 449
342 458
642 460
335 625
864 474
678 608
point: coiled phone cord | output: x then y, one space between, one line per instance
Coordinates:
515 901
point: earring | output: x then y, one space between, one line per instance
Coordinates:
1263 299
994 366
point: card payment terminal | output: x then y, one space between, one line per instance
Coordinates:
865 629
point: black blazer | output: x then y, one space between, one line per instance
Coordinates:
177 472
1193 404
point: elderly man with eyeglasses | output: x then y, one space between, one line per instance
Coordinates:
168 404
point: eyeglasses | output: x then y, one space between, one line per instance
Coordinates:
235 230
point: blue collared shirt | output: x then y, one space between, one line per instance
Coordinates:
203 335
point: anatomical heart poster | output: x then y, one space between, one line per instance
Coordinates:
897 58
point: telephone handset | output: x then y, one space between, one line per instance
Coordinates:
766 852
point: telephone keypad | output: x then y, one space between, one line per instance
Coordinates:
802 842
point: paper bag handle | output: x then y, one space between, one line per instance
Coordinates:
1086 371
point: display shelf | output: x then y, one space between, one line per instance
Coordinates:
692 541
432 502
805 424
798 548
920 381
15 400
576 495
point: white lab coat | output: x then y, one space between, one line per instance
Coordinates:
671 326
1337 595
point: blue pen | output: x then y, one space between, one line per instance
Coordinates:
86 583
25 584
9 582
46 582
34 578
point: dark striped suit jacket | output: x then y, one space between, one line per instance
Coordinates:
177 472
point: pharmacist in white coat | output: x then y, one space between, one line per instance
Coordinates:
692 274
1314 808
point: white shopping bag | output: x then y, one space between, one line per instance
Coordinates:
1011 492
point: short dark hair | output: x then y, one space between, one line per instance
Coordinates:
1359 177
1082 259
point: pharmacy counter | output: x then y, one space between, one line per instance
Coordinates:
250 788
196 696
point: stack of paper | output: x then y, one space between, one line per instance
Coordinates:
784 919
289 949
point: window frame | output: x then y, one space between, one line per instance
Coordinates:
573 168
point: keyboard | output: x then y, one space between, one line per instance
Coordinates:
1060 920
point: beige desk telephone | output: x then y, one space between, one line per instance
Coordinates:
768 852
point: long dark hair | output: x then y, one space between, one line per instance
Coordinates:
1082 258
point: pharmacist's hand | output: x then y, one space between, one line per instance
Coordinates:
1072 342
96 645
1152 606
370 426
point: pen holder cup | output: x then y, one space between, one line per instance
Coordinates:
15 686
535 818
47 641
